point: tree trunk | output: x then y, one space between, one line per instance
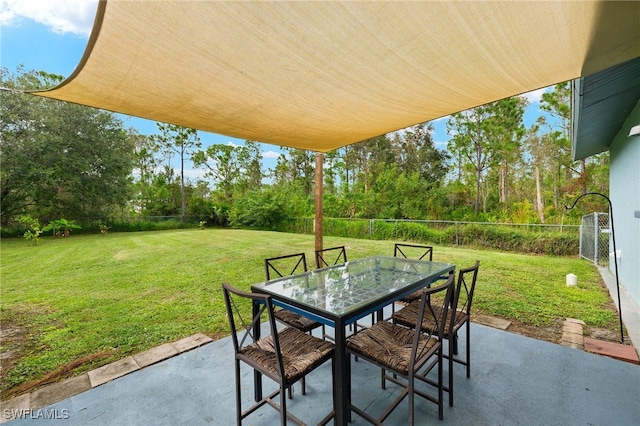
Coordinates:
539 200
478 186
503 183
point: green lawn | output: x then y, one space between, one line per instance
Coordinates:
98 298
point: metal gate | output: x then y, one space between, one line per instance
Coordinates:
594 238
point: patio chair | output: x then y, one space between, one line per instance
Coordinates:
402 352
273 268
284 356
331 256
412 251
294 263
335 256
459 315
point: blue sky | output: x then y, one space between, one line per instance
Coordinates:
51 35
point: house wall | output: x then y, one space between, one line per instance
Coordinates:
625 198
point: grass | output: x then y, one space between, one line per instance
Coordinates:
99 298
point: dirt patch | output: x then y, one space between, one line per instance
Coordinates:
605 334
12 347
552 333
16 337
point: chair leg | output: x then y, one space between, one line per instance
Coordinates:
238 395
304 388
283 407
451 373
440 393
468 349
411 396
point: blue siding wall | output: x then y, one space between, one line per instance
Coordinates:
625 197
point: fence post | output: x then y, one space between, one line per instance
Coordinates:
580 250
596 245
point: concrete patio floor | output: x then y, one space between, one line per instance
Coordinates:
515 380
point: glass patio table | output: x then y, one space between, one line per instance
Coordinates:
340 295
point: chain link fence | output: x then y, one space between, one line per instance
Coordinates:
594 238
549 239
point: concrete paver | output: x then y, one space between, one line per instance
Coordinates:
14 407
494 322
55 392
613 350
572 328
108 372
192 342
575 321
157 354
578 339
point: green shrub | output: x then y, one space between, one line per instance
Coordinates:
33 228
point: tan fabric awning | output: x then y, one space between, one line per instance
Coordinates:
323 74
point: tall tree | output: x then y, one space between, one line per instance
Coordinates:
250 159
183 142
487 136
558 105
471 143
506 128
417 153
146 162
59 159
295 166
223 164
537 145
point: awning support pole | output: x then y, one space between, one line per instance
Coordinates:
318 196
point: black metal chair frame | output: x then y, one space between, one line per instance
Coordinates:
398 248
248 349
421 360
340 258
271 268
458 317
427 251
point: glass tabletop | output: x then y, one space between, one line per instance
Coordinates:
340 290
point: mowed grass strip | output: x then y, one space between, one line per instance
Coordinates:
103 297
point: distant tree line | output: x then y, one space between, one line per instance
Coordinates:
61 160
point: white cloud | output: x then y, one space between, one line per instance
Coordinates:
235 145
536 95
194 174
62 16
446 117
270 154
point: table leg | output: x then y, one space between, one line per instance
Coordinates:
342 378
